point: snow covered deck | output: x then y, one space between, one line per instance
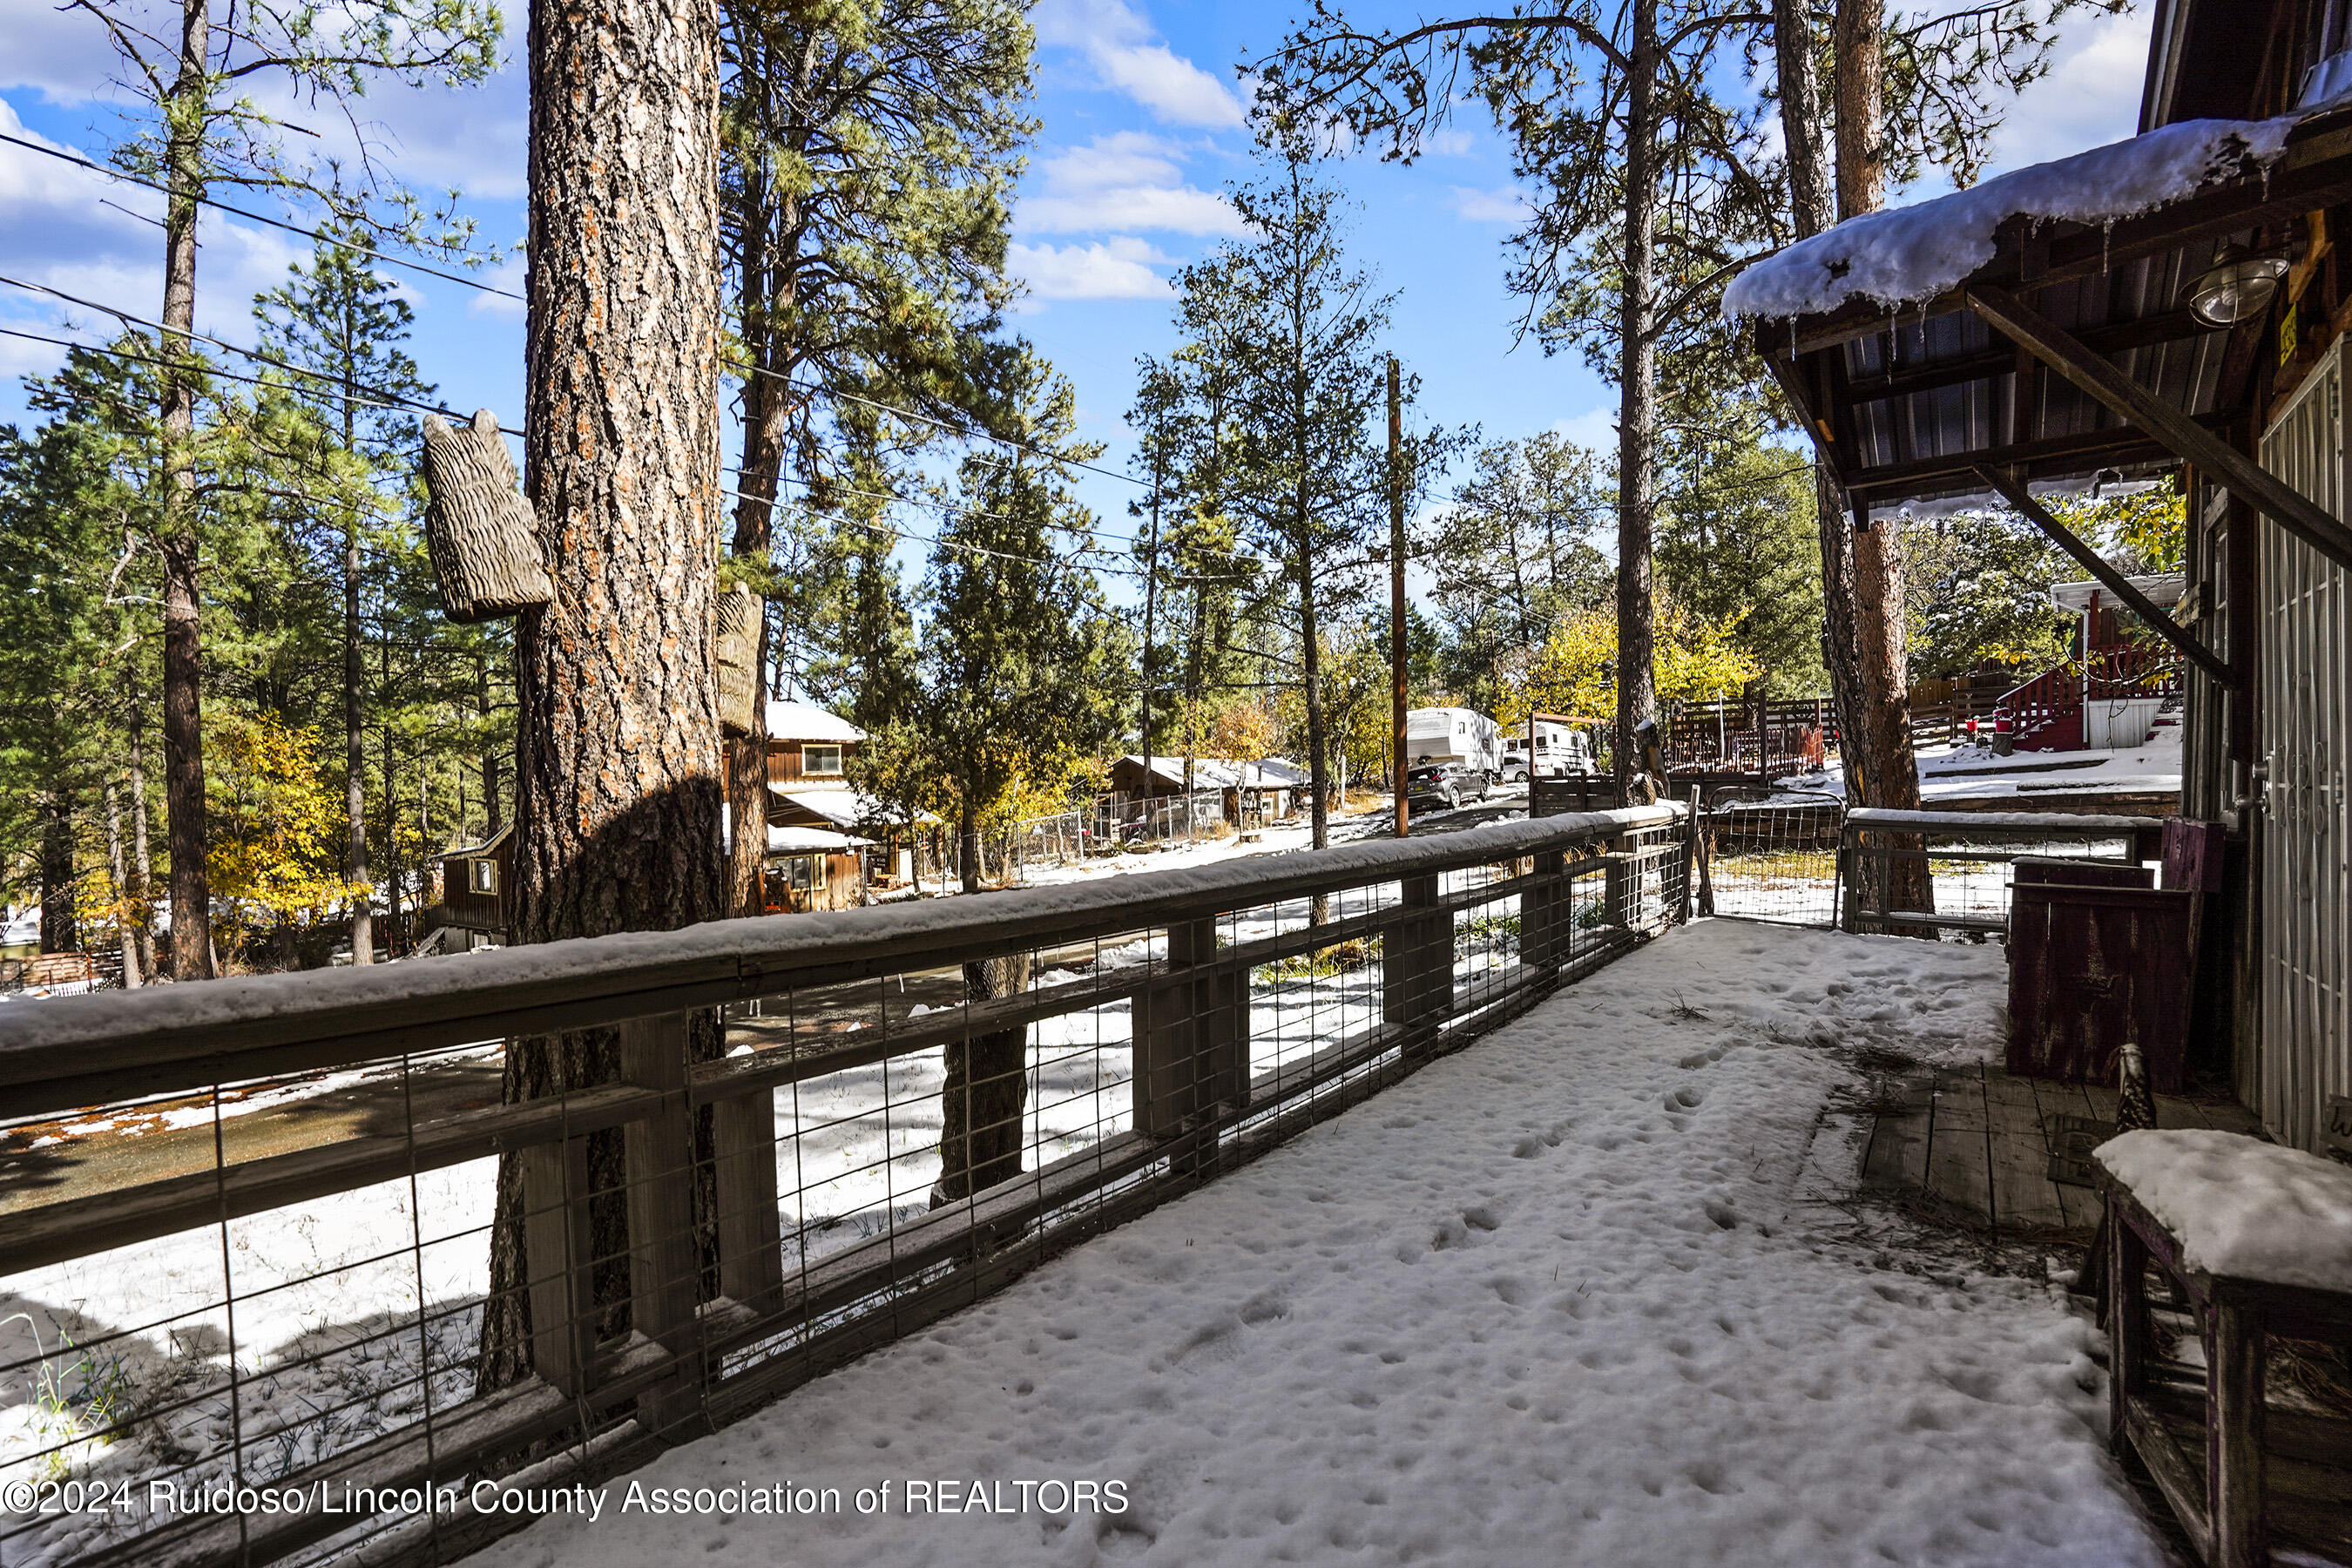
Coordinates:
1590 1292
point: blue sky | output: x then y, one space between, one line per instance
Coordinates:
1142 128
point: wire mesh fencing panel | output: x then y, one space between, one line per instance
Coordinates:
1772 856
1951 874
290 1290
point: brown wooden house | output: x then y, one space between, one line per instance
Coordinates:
2173 306
808 746
475 883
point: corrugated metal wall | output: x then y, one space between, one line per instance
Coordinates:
2305 716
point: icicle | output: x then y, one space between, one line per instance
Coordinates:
2106 242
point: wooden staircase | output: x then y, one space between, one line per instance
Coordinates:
2045 714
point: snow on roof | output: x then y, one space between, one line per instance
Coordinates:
2242 1206
1224 773
1902 255
462 851
811 841
807 722
842 805
2162 588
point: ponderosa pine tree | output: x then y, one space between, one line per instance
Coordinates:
197 126
869 149
344 321
618 777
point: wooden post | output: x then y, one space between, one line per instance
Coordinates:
664 1260
750 1239
1417 971
557 1251
1849 876
1398 653
1194 1058
2126 1322
2234 1348
1548 913
1620 884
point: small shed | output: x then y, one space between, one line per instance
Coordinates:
1275 788
475 883
814 869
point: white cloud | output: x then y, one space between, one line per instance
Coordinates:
1117 269
511 274
1126 55
1595 427
2090 97
60 235
1122 183
1451 142
1504 203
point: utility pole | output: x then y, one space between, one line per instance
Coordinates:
1151 607
1396 594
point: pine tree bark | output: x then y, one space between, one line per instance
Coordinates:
142 862
60 922
1882 768
987 1091
618 762
1813 208
183 737
118 878
355 858
1637 374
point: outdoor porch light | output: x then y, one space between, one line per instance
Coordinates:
2238 285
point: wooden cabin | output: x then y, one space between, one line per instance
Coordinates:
2174 305
475 882
1271 788
807 745
814 869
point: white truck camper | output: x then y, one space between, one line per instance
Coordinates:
1453 735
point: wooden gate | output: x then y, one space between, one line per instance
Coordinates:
2305 659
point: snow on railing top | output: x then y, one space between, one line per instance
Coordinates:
2058 824
2241 1208
633 973
1901 255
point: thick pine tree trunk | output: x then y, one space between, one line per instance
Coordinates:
184 736
1883 769
986 1092
142 862
355 860
60 917
1637 692
618 761
1813 208
118 883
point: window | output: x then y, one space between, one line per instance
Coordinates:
820 759
482 876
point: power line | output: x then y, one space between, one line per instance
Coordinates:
374 397
372 254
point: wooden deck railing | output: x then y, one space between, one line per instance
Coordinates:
1436 940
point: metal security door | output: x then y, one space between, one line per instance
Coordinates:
2306 852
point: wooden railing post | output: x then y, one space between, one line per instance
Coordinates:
1548 913
558 1247
1621 883
1417 957
664 1261
1191 1030
750 1237
1849 873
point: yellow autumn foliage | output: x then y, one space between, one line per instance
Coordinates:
274 820
1576 670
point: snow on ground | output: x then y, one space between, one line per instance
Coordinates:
1572 1296
1275 840
1970 772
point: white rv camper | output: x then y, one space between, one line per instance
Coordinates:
1561 752
1453 735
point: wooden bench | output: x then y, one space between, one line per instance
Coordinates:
2244 1481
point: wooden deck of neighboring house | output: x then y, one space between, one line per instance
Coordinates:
1978 1146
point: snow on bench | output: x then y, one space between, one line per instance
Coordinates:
2241 1208
2042 821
